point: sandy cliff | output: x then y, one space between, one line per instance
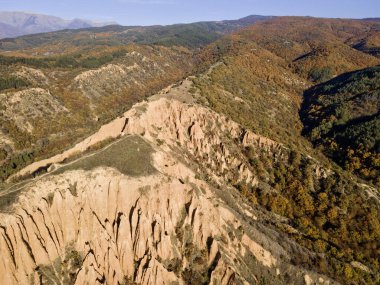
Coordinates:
174 221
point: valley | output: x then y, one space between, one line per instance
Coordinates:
234 152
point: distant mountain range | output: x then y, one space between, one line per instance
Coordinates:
372 19
14 24
190 35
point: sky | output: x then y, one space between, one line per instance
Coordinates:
149 12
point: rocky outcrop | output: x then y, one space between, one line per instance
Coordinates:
149 230
103 227
180 224
212 139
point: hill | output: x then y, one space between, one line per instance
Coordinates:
76 93
343 115
260 85
268 66
370 44
318 49
184 154
189 35
226 201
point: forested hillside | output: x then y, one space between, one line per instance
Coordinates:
258 80
269 128
343 116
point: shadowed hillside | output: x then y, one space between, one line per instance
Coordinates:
343 115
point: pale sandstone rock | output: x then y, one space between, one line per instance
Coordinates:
201 131
114 225
154 229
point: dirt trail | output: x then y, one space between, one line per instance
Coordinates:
14 188
111 130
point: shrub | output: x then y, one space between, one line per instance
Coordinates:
12 82
320 74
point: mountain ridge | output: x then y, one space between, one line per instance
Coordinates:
196 34
16 24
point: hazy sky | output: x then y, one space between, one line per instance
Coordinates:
147 12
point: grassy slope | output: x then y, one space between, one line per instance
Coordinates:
130 155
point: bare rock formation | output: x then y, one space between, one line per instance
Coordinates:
104 227
154 207
209 137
